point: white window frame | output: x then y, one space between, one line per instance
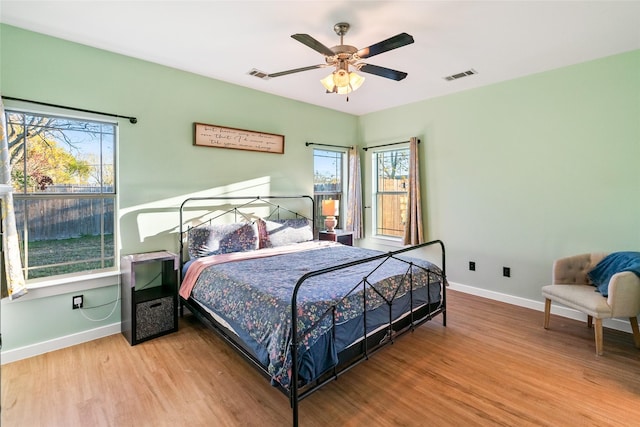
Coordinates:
87 279
374 192
344 181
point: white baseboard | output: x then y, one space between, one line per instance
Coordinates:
14 355
618 324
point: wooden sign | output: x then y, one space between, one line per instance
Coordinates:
239 139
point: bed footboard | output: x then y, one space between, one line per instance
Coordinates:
371 341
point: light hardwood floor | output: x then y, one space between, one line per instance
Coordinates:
493 364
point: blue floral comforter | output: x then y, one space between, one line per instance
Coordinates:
254 297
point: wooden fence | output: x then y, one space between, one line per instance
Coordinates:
391 205
64 218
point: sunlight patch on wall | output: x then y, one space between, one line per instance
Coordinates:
162 216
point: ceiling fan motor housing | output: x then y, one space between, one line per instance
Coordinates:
343 52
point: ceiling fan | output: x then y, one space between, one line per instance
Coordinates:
343 57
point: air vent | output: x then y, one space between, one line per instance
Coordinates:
461 75
259 74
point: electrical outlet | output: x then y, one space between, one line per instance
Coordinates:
77 301
506 271
472 265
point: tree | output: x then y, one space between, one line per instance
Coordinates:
48 148
100 174
394 164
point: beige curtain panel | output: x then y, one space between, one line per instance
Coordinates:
11 248
413 233
354 195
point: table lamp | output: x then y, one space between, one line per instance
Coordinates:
330 208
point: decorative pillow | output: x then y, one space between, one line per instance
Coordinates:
222 239
613 263
281 232
196 239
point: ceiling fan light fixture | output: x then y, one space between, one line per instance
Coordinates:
341 78
342 82
355 80
328 83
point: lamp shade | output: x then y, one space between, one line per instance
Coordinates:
342 82
330 207
328 84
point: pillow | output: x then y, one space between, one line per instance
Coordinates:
222 239
613 263
196 239
281 232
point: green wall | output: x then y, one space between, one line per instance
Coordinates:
158 165
523 172
515 174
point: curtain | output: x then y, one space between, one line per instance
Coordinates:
10 245
413 224
354 196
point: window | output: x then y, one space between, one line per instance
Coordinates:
391 169
328 182
63 175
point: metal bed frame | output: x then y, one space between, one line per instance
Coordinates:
351 356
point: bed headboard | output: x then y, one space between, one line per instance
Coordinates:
200 213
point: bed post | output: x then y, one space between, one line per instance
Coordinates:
443 267
293 384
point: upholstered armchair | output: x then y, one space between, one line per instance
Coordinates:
573 288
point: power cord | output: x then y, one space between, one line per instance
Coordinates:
149 282
114 302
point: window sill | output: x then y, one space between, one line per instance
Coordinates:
381 243
388 240
48 288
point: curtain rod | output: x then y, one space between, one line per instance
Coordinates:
327 145
384 145
131 119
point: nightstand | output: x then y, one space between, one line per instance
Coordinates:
340 236
149 289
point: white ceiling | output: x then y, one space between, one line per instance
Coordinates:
223 40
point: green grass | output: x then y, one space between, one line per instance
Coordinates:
76 252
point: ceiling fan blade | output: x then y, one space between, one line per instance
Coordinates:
297 70
314 44
391 43
383 72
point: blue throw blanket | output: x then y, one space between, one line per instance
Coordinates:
613 263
